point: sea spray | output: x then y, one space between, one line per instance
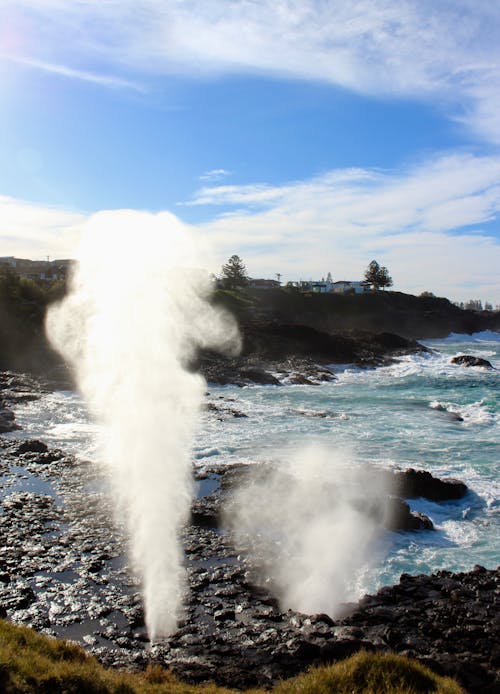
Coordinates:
131 324
310 527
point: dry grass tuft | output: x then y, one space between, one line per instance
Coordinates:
34 664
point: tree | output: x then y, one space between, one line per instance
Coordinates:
378 276
234 273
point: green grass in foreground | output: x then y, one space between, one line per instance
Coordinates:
31 663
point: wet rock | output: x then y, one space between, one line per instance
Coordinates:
7 422
32 446
224 412
66 573
15 388
224 615
411 484
449 414
260 376
18 599
299 354
300 380
469 360
454 416
399 517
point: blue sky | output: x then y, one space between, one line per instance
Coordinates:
306 136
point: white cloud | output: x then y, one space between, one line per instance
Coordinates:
429 225
35 231
447 53
426 224
84 75
214 175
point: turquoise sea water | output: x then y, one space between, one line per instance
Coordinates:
397 416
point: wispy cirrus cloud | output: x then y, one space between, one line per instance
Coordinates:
214 175
72 73
433 50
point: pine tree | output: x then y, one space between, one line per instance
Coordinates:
378 276
234 273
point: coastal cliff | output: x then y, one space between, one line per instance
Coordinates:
276 324
412 317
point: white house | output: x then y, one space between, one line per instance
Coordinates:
263 284
356 286
316 286
321 287
38 270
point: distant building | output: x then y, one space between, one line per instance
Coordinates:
316 286
301 285
8 260
264 284
38 270
329 287
321 287
356 287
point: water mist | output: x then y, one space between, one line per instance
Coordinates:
308 527
135 315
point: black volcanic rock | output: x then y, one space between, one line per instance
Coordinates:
16 387
63 570
7 420
411 484
274 341
259 376
469 360
32 446
448 621
399 517
299 353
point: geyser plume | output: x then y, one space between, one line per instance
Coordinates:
309 528
136 313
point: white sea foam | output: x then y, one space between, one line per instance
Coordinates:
471 413
61 418
484 336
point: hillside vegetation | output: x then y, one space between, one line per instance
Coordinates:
34 664
23 304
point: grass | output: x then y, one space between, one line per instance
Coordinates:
370 673
34 664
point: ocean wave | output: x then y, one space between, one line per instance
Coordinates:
421 364
471 413
206 453
484 336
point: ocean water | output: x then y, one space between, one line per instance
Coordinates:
403 415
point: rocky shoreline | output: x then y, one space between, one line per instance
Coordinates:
64 571
274 353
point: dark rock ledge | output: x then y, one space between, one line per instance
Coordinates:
277 354
63 571
469 360
16 387
387 507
